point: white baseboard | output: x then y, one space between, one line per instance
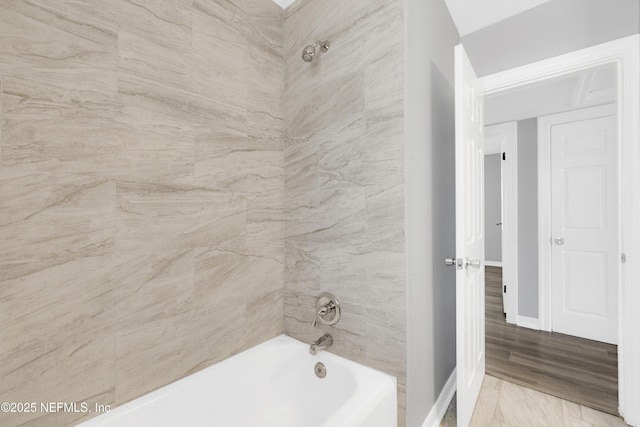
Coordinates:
442 403
493 263
529 322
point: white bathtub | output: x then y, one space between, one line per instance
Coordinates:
272 384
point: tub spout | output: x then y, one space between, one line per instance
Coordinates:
320 344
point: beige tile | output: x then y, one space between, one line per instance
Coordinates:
525 407
125 209
334 218
384 219
343 178
498 417
384 82
573 422
59 114
167 22
50 218
155 59
520 406
221 53
265 229
301 173
570 409
222 275
261 325
343 159
492 383
485 411
237 163
149 286
600 419
154 148
319 114
161 352
185 104
78 370
177 217
49 35
384 156
67 300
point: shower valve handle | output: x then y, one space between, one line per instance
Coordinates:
322 312
327 310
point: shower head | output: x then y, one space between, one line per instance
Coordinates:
309 52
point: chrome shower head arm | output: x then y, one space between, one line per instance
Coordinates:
309 52
324 45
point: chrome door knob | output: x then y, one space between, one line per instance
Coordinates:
475 263
559 240
450 261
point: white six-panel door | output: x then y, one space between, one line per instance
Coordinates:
584 228
470 354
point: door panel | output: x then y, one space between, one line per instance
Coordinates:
584 278
586 205
470 354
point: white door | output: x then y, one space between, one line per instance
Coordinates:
469 236
584 227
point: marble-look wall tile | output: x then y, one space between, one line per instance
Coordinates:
141 194
46 111
154 148
73 370
160 352
344 178
49 35
51 218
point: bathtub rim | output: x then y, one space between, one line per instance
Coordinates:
278 342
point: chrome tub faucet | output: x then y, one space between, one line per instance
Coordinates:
320 344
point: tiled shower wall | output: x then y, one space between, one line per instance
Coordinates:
141 194
344 178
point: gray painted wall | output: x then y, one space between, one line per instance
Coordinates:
492 208
553 28
528 218
429 204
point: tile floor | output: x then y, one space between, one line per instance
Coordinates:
504 404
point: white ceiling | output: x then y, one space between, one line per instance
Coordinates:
574 91
284 3
472 15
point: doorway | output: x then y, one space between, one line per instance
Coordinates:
567 144
555 204
624 54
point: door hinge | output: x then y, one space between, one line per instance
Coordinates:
505 289
504 156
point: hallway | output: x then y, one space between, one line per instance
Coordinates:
575 369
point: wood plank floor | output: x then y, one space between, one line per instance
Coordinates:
575 369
